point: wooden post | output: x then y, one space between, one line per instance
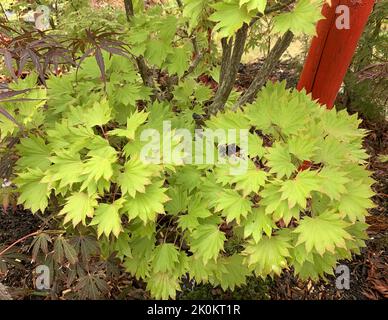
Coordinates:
332 49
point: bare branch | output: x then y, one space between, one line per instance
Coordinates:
226 87
225 60
193 65
128 5
261 77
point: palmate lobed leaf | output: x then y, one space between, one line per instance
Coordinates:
166 256
254 4
231 272
258 223
323 233
279 160
232 205
146 206
230 17
133 122
207 242
302 19
136 176
108 219
34 194
268 256
78 207
297 190
35 153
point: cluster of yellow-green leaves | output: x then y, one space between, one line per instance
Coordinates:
302 202
281 216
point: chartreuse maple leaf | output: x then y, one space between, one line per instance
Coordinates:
33 193
136 176
317 267
157 51
165 258
188 177
251 180
163 285
273 203
230 273
279 160
298 189
78 206
179 200
179 60
99 164
230 17
97 115
342 126
330 152
232 205
228 120
201 271
257 223
122 245
332 182
254 5
197 208
255 146
303 149
271 196
142 250
301 19
193 10
285 213
259 113
288 117
66 168
133 123
146 206
323 233
35 153
108 219
358 230
355 201
207 241
267 256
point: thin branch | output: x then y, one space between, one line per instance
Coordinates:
128 5
261 77
231 60
5 13
226 87
193 65
35 233
225 60
18 241
145 72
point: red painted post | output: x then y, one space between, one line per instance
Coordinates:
332 49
